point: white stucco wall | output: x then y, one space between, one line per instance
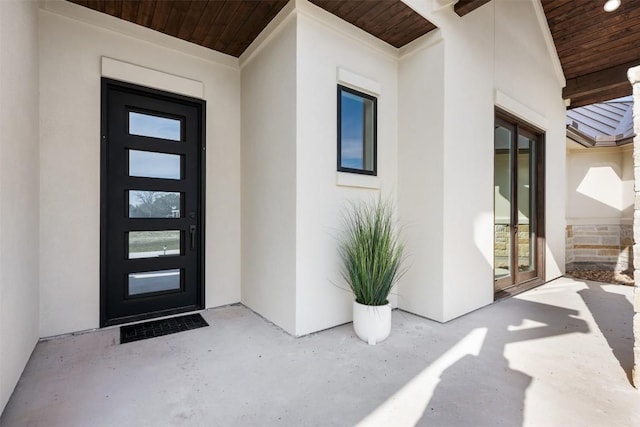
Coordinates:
330 51
454 236
421 176
19 296
468 163
70 72
273 195
495 56
292 196
600 198
269 178
599 185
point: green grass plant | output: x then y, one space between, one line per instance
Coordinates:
371 250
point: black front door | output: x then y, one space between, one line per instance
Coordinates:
152 242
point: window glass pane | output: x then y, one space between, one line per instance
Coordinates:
154 281
502 202
154 126
154 165
526 204
357 132
154 204
368 125
352 122
150 244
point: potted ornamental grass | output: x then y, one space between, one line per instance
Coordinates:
372 255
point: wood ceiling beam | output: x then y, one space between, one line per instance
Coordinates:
598 84
466 6
596 97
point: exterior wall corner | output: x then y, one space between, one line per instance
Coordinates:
634 77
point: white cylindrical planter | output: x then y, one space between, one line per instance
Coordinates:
372 323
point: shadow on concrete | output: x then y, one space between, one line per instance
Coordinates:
498 398
487 368
615 324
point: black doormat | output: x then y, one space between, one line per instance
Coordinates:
157 328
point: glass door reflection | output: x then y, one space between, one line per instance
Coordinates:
502 196
516 200
526 217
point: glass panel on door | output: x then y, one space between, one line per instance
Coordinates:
526 204
148 164
154 126
154 204
154 281
502 189
152 244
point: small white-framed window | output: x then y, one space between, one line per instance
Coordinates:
357 131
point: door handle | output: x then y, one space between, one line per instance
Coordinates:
192 234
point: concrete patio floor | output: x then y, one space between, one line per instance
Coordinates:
558 355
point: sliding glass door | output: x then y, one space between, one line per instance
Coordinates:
518 203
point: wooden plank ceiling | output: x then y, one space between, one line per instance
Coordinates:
391 21
596 48
229 26
462 7
225 26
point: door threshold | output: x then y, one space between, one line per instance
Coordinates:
517 289
155 315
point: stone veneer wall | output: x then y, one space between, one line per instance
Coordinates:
601 246
634 78
502 245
